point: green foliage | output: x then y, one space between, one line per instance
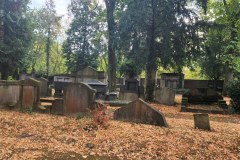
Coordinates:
15 36
233 89
81 115
82 46
26 110
212 60
129 69
158 32
36 57
220 47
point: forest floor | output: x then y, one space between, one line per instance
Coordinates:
42 136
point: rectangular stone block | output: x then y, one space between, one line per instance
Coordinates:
201 121
139 111
165 96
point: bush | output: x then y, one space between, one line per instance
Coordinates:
233 91
100 115
81 116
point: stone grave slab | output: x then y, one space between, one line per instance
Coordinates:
201 121
139 111
165 96
78 97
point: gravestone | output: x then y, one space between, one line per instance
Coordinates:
202 96
57 107
78 97
100 87
131 90
30 95
139 111
9 93
112 96
165 96
201 121
43 87
23 93
127 96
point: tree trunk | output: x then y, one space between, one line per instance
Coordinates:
180 78
228 77
2 5
152 59
4 72
110 5
48 47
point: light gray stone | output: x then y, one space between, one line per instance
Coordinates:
165 96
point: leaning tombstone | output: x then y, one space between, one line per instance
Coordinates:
201 121
139 111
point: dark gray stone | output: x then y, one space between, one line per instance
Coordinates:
201 121
139 111
202 96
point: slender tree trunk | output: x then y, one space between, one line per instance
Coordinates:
110 5
4 72
48 47
2 4
152 58
180 77
228 77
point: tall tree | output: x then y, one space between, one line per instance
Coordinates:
226 14
51 24
36 57
15 36
110 6
158 26
83 44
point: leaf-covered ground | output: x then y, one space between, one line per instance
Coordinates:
39 136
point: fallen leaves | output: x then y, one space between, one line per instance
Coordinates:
39 136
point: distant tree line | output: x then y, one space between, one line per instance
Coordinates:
122 37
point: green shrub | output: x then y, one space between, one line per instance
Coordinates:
80 116
233 91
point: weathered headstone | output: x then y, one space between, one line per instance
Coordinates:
30 93
24 93
57 107
201 121
139 111
43 86
78 97
202 96
165 96
131 90
9 93
112 96
128 96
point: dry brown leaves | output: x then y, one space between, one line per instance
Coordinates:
25 136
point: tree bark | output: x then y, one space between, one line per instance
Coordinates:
180 77
152 59
2 4
48 47
228 77
110 5
4 72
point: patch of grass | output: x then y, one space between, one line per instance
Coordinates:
81 115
